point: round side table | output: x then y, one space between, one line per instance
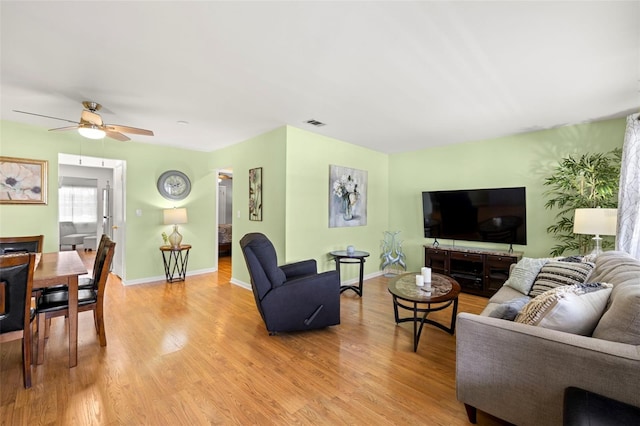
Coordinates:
342 256
175 262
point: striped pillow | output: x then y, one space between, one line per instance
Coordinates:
557 273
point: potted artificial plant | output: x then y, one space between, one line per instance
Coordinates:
587 182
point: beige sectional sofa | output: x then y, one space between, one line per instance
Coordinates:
519 372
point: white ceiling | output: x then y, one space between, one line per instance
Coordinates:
389 75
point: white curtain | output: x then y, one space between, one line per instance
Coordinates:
628 238
78 204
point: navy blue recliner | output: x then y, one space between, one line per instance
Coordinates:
290 297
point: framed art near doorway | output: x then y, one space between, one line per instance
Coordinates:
23 181
255 194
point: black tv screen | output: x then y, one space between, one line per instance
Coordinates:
496 215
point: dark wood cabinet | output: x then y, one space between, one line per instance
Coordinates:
478 271
496 270
437 260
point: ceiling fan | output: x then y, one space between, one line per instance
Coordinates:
92 127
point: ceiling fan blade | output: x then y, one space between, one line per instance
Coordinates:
127 129
45 116
60 129
91 117
116 135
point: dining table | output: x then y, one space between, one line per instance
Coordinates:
64 268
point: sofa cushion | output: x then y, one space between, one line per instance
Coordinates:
573 309
510 309
524 274
621 322
617 268
557 273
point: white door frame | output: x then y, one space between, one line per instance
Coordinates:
118 168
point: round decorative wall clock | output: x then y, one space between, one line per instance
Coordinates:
174 185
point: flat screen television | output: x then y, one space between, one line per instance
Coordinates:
495 215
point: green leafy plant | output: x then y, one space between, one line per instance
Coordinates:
586 182
165 238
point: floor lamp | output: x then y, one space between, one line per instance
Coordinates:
596 222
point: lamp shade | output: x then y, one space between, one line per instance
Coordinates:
595 221
175 216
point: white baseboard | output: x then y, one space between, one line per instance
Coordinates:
240 283
234 281
163 278
348 282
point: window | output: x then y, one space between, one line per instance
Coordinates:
78 204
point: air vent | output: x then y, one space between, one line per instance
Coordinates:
315 123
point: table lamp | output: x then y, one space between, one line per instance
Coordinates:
174 217
596 222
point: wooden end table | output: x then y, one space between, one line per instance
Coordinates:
407 295
175 261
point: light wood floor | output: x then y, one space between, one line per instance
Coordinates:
197 353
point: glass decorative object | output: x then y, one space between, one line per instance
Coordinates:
392 259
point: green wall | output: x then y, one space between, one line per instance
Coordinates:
309 156
145 163
295 166
28 142
266 151
520 160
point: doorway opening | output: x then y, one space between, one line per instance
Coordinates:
225 212
108 176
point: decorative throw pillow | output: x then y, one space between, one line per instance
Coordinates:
524 274
576 259
557 273
509 310
574 308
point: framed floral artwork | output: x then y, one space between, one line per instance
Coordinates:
347 197
23 181
255 194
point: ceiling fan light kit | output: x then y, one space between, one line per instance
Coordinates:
91 132
91 125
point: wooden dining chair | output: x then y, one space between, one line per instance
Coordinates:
56 303
87 281
16 314
28 244
84 281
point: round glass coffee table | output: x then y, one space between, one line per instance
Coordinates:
407 295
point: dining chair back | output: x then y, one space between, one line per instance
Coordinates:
28 244
56 303
87 281
16 283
